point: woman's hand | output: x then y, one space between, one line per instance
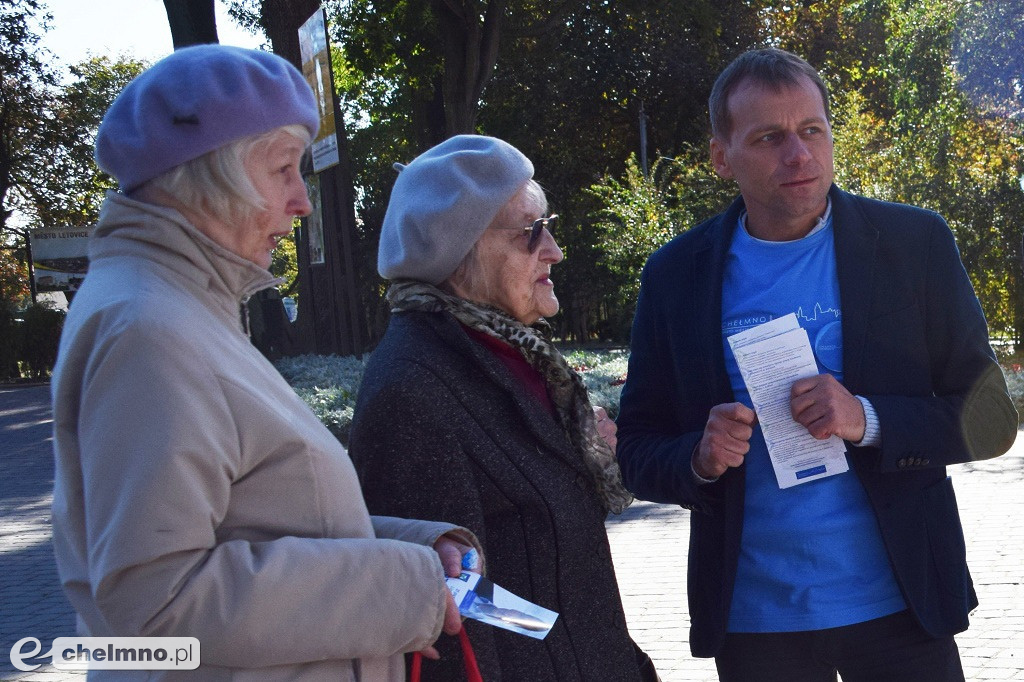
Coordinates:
606 428
452 553
452 625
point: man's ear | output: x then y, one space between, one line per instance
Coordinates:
718 159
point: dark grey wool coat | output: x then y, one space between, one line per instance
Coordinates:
443 431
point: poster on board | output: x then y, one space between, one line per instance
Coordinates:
316 67
59 258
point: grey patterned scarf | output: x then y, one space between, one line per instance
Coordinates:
565 386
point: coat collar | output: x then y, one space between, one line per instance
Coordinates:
532 413
162 235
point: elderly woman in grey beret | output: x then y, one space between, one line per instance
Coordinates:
468 413
195 494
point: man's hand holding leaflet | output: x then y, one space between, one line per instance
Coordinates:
771 357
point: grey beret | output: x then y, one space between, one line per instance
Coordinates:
195 100
443 201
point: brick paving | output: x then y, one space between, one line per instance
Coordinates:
649 544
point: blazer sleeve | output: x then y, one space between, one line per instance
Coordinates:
658 424
956 407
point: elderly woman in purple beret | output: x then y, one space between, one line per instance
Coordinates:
469 414
195 494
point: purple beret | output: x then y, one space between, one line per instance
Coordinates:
195 100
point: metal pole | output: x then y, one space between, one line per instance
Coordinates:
643 139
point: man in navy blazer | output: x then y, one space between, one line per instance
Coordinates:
862 572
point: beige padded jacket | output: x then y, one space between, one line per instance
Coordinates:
197 496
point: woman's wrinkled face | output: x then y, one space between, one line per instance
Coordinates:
274 171
510 277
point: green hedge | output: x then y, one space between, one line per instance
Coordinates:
329 383
1015 382
30 340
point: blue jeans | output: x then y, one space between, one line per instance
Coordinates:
889 649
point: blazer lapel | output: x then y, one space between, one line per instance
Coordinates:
708 267
856 243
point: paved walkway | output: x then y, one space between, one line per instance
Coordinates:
649 543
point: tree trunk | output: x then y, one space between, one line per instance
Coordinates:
192 22
281 20
470 53
330 314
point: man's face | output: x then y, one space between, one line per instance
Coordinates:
779 152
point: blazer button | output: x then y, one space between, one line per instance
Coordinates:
926 462
902 463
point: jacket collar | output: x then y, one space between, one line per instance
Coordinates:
164 236
532 413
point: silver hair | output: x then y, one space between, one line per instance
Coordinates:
216 185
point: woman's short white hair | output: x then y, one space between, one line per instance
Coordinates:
469 276
216 185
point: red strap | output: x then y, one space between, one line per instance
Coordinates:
468 658
417 665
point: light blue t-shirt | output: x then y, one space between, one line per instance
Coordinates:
812 555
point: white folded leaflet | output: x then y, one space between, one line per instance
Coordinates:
771 357
482 600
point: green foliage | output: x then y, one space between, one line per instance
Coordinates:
25 81
603 373
328 384
31 337
14 291
285 264
67 189
10 346
988 54
47 173
927 107
640 213
910 126
39 339
1015 383
922 141
637 214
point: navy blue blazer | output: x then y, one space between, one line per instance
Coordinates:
915 343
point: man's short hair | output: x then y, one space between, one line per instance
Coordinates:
769 67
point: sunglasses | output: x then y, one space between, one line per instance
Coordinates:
535 230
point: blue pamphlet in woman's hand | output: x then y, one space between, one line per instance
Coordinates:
480 599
